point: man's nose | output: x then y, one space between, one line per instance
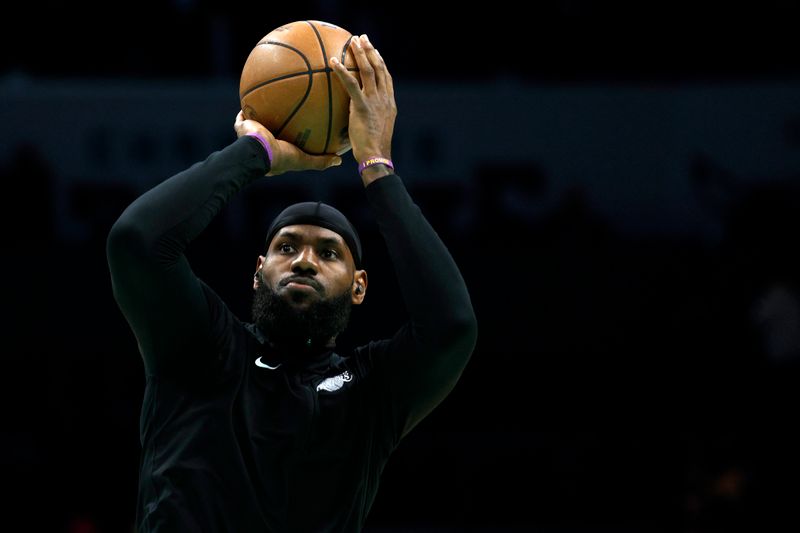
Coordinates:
305 261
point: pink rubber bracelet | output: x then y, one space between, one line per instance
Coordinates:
375 161
264 142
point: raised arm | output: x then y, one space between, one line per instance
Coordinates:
426 356
165 304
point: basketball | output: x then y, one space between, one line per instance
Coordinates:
288 86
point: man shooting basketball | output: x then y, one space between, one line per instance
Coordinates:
262 425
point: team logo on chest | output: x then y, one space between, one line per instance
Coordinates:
335 383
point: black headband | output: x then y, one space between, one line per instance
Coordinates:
318 214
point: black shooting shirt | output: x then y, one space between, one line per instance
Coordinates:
239 438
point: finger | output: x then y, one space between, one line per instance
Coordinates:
387 77
365 70
376 61
237 124
347 78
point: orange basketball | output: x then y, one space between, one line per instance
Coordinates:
288 86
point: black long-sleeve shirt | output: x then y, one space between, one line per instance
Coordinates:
238 438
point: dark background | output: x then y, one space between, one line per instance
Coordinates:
625 379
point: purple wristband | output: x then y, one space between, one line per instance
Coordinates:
265 143
375 161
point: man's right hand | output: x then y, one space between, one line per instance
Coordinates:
372 104
286 157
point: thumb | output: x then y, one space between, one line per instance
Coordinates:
321 162
288 157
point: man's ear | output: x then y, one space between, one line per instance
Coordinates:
256 277
359 290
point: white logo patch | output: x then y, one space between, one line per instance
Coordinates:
335 383
262 364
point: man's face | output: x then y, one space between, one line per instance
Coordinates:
305 264
305 285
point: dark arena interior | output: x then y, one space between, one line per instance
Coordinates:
618 182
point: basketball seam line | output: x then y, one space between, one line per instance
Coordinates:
330 91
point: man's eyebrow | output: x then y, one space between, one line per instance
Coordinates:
288 235
329 241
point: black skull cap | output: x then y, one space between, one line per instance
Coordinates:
318 214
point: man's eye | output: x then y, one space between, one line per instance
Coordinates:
330 254
285 248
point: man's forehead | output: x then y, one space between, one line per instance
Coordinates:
308 231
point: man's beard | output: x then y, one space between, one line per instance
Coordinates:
289 327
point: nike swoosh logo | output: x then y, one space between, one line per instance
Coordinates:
262 364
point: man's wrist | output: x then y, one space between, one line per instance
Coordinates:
374 172
264 143
375 167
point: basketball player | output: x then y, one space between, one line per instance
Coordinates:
263 426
